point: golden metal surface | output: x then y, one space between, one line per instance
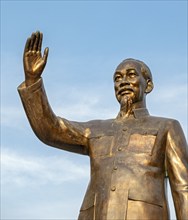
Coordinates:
129 155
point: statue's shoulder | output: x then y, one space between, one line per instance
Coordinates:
100 127
162 120
100 122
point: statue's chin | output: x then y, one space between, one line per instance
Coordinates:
126 102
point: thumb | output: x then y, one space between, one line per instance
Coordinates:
45 56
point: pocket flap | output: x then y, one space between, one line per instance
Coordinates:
142 143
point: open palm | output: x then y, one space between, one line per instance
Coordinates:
33 61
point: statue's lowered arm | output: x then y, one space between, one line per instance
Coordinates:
177 165
49 128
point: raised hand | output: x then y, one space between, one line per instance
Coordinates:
33 60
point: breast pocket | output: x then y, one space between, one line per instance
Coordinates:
142 142
101 146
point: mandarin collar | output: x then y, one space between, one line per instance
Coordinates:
137 113
140 112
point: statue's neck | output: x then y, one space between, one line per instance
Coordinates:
126 110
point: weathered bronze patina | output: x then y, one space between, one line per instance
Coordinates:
129 155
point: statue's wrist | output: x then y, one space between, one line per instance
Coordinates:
31 81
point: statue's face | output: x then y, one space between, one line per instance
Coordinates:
129 82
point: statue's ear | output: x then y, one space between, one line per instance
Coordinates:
149 87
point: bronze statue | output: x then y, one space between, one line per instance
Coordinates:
129 155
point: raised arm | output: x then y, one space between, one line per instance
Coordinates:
50 129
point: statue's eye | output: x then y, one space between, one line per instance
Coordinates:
132 74
118 78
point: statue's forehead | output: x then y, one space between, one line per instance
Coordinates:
128 65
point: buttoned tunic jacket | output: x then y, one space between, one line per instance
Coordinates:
129 159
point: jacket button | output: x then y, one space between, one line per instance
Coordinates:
113 188
115 168
119 149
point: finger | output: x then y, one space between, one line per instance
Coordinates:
36 42
45 56
32 41
40 42
27 45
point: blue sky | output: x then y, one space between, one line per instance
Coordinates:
87 40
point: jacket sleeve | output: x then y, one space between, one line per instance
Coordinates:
177 168
49 128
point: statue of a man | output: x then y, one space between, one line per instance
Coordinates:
129 155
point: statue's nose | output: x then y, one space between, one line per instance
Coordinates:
124 82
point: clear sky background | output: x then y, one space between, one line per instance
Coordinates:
87 40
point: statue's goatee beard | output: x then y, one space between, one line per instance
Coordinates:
126 106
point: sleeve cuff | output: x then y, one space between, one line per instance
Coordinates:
23 89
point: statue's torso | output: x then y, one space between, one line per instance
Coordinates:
127 164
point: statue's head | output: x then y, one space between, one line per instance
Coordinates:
132 79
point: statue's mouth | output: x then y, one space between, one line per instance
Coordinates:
125 91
